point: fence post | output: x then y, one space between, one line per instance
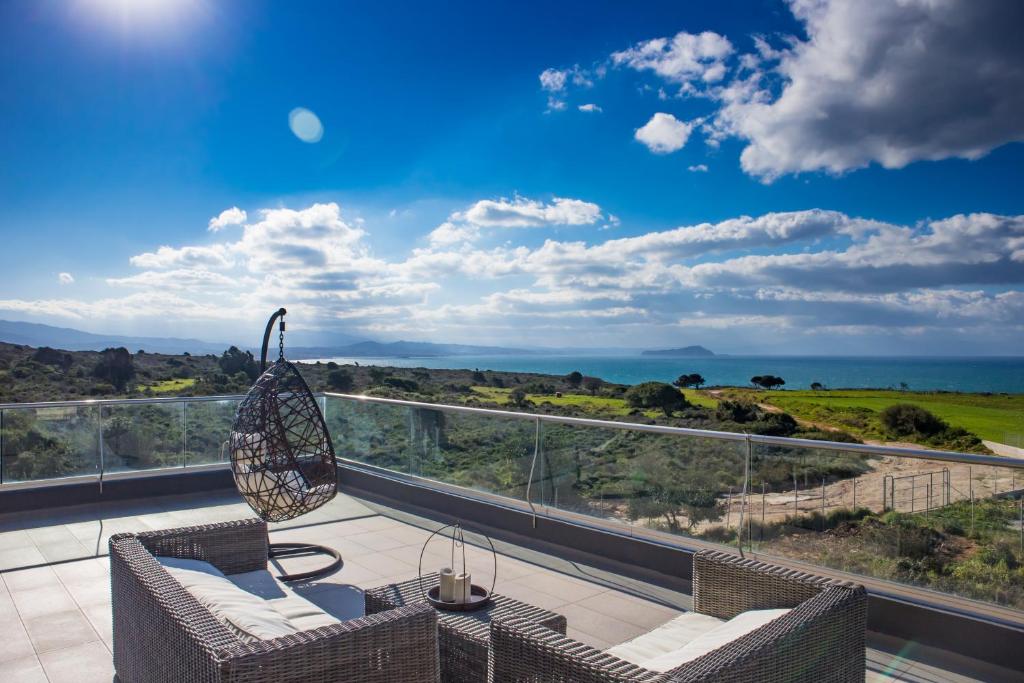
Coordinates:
1022 524
728 509
823 503
796 491
970 483
855 494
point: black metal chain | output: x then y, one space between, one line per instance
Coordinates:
280 340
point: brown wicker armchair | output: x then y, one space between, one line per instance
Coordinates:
162 633
821 640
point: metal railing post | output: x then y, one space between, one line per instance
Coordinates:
99 424
184 434
743 504
533 467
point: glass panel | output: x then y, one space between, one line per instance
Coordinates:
487 453
944 526
43 443
143 436
671 483
207 429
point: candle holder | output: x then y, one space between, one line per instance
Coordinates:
456 591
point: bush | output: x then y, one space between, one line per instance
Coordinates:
340 380
234 360
656 395
401 384
737 411
115 366
906 419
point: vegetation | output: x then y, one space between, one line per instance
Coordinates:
997 417
767 381
680 484
656 395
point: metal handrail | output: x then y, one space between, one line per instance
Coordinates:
839 446
119 401
538 418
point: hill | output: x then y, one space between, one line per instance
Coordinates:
38 335
684 352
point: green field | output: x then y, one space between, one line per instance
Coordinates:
169 386
995 417
598 404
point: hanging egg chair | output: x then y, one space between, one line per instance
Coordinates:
282 458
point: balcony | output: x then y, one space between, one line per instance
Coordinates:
595 520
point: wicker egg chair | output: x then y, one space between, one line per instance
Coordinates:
282 457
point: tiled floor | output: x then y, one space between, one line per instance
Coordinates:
55 602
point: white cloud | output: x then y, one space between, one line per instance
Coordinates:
213 256
553 80
684 58
885 82
697 168
555 104
65 278
520 212
786 276
664 133
227 217
590 107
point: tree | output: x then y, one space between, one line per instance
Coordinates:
377 376
767 381
817 386
340 380
479 377
593 384
656 395
517 397
115 366
234 360
693 380
574 378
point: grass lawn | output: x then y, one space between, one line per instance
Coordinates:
595 404
996 417
169 386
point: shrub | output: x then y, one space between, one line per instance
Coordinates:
656 395
115 366
906 419
737 411
340 380
401 384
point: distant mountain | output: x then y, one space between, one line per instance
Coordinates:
685 352
400 349
35 334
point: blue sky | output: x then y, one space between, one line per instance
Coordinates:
758 177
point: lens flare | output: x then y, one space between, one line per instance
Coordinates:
305 124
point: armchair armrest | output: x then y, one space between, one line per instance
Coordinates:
232 547
524 651
397 645
820 641
725 585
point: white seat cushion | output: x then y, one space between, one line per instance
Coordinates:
735 628
253 605
666 638
302 614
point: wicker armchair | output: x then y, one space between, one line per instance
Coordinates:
821 640
162 633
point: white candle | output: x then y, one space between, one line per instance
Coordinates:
463 587
446 593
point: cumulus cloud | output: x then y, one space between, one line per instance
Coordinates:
888 83
553 80
227 218
795 274
697 168
684 58
590 107
664 133
65 278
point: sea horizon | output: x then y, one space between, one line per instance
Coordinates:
974 374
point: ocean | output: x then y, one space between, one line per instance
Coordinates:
997 375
